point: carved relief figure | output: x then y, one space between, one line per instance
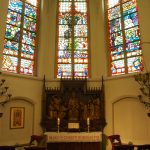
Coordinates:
91 109
54 107
57 109
73 108
84 111
96 108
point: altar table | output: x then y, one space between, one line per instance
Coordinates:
74 140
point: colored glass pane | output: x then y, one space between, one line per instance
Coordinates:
64 60
28 38
132 34
80 7
81 54
72 47
64 19
27 51
10 47
64 56
130 20
80 60
19 44
13 18
80 0
30 11
65 0
64 7
125 45
26 67
117 52
29 24
114 13
133 49
80 18
133 46
118 67
134 53
129 7
32 2
9 63
112 3
15 5
80 30
12 33
64 43
134 64
65 31
81 43
81 70
115 25
64 70
116 39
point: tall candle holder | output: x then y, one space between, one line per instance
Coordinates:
58 124
88 124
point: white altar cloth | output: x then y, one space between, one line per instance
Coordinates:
73 137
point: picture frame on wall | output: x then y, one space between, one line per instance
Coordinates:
17 115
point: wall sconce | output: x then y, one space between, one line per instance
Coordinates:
4 95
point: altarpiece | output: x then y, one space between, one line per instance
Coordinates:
73 106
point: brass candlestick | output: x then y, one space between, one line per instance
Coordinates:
58 124
88 124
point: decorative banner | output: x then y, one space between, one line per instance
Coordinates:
73 137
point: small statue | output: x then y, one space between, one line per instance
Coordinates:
73 108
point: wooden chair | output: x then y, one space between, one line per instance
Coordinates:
117 144
7 148
40 143
115 140
40 140
144 147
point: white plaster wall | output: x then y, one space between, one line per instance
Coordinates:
127 118
17 136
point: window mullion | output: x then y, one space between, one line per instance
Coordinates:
72 38
21 36
124 37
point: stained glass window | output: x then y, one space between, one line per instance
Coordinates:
124 37
72 39
19 54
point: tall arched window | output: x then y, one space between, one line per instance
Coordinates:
124 37
20 45
72 39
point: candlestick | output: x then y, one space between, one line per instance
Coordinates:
88 124
58 123
88 121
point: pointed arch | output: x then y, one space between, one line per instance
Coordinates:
72 50
125 52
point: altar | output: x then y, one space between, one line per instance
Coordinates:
74 140
73 115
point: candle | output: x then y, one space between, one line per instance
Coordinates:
88 121
58 121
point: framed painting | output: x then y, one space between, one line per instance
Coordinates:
17 115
